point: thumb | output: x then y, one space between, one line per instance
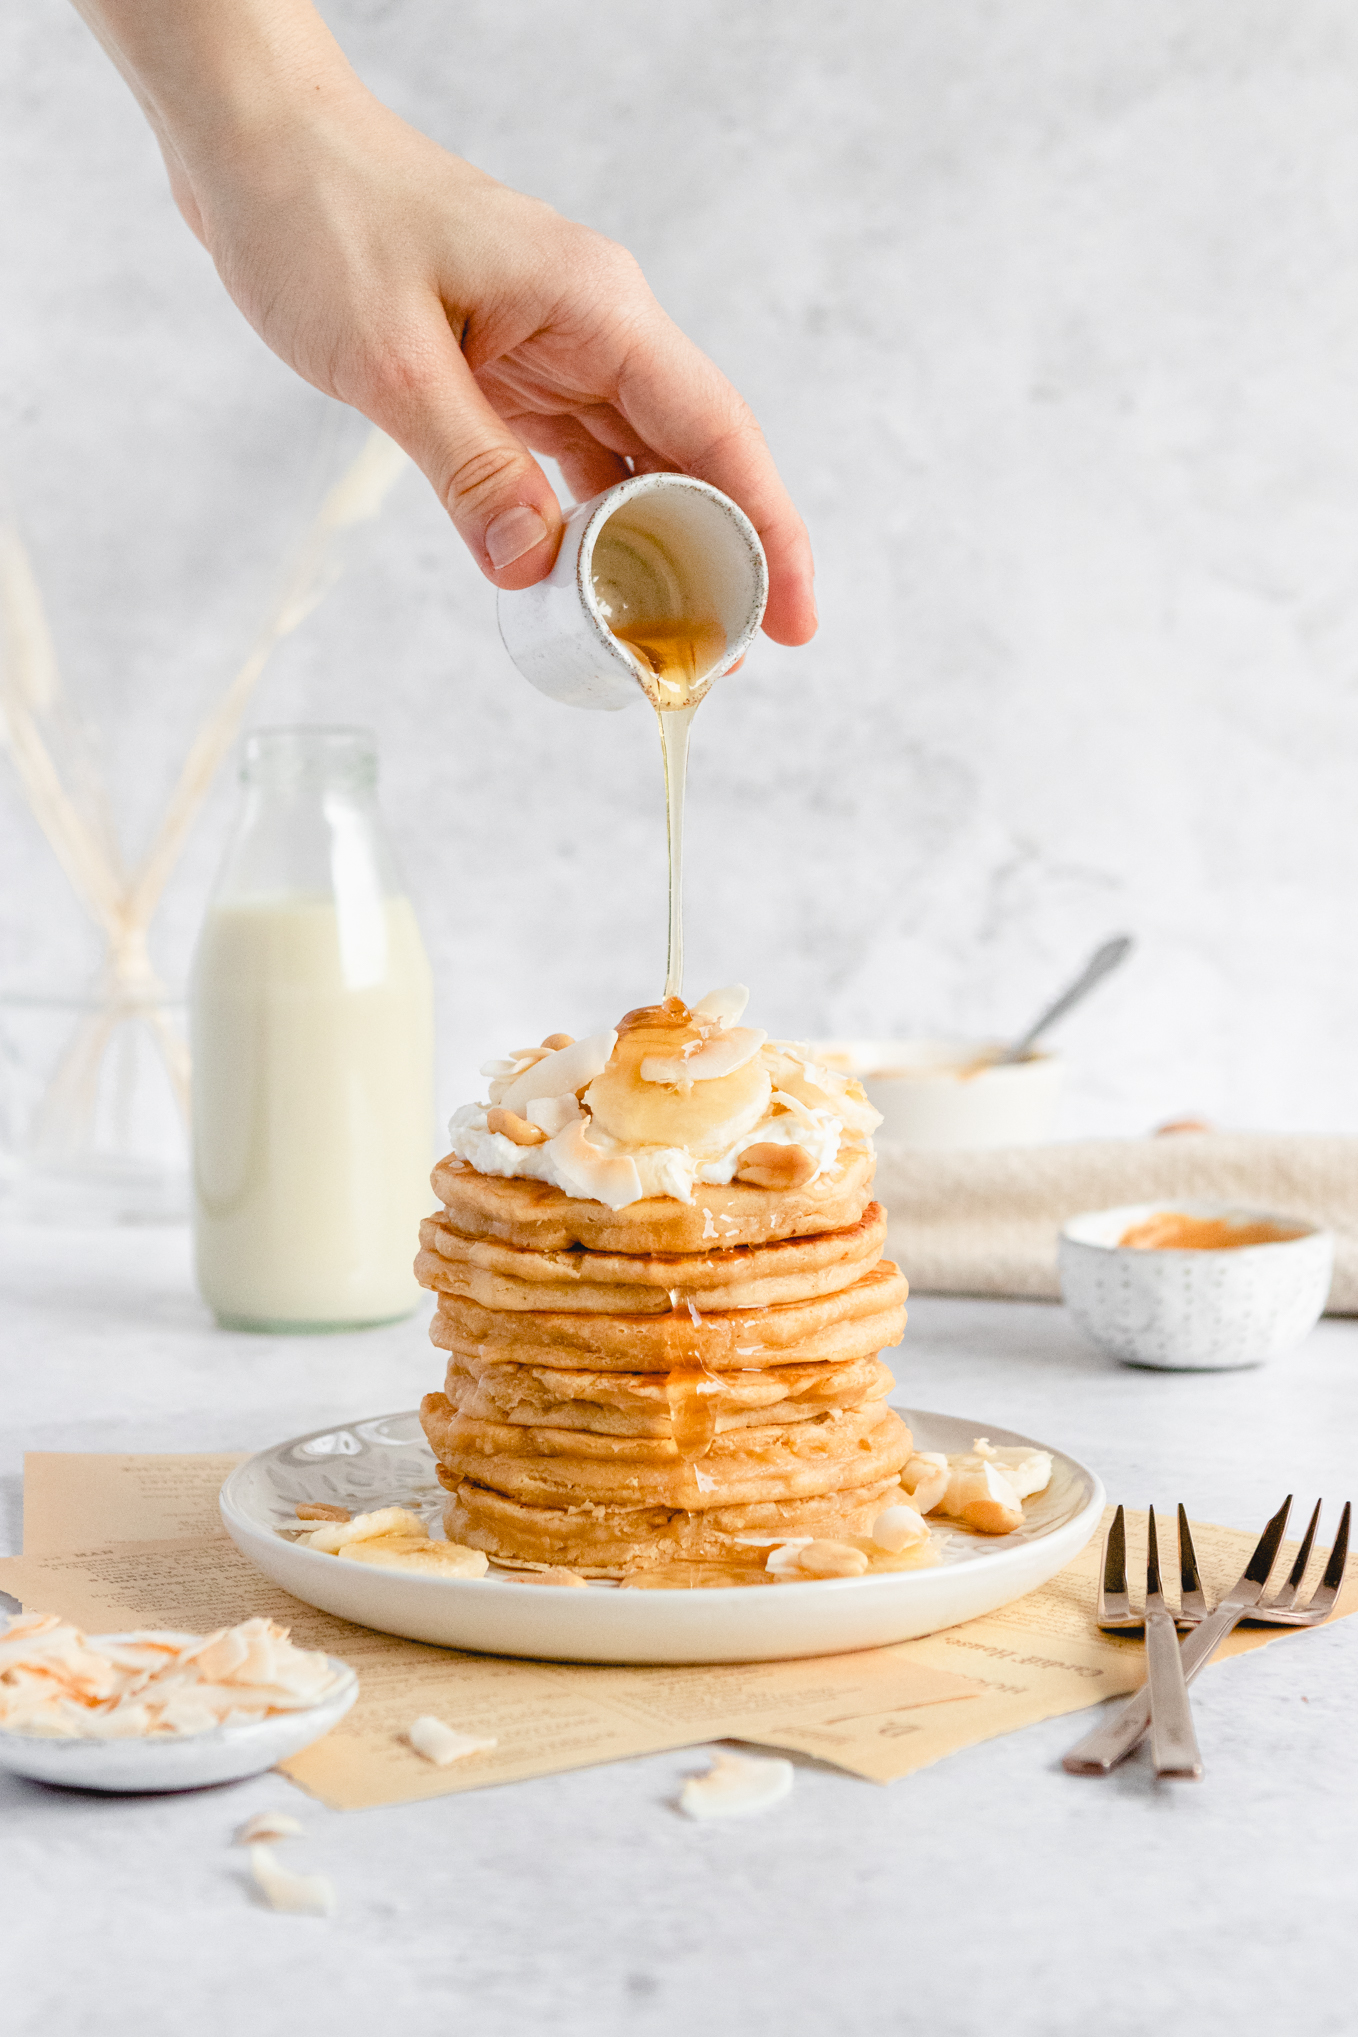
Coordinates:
484 475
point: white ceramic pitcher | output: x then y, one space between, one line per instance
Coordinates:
696 554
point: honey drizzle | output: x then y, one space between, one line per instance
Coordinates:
679 658
675 724
692 1391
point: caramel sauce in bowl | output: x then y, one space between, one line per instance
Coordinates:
1194 1286
1173 1230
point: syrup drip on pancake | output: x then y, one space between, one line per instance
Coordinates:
692 1392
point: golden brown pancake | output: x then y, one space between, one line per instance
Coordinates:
642 1403
853 1322
608 1541
539 1215
617 1283
740 1467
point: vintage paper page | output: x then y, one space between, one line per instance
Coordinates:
81 1500
1035 1659
1040 1657
545 1716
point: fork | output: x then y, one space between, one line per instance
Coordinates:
1174 1745
1115 1607
1102 1749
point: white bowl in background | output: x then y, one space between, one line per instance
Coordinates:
1178 1310
940 1095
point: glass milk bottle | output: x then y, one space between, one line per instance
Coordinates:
312 1038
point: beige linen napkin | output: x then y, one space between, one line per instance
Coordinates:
987 1222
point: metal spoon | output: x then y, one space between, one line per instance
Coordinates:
1099 965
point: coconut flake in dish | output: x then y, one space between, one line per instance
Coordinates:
59 1684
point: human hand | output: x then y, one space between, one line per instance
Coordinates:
474 325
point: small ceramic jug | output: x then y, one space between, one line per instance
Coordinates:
683 549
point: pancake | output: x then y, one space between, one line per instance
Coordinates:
547 1396
537 1215
853 1322
642 1403
608 1541
562 1467
502 1276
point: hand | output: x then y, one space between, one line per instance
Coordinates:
470 323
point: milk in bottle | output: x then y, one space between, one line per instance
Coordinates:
312 1040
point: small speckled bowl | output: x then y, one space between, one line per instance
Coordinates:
1194 1311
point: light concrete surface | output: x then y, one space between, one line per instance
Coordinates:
1049 312
990 1893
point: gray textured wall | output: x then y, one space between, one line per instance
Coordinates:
1050 314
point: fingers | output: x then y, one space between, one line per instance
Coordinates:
491 486
587 466
684 408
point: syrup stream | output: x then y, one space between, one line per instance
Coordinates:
680 658
675 725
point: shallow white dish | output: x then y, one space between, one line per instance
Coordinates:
177 1761
386 1461
1193 1311
938 1096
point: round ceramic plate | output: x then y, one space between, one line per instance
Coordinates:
386 1462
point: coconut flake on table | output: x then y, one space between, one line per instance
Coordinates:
310 1895
267 1825
443 1744
736 1786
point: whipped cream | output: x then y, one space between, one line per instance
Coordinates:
671 1098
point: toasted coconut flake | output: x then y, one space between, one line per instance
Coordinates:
736 1786
267 1825
443 1744
981 1497
563 1072
726 1006
899 1528
318 1510
310 1895
782 1560
1027 1471
56 1683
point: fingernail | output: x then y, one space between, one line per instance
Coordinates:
512 533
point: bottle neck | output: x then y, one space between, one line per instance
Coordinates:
309 825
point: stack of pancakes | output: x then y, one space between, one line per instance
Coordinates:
654 1385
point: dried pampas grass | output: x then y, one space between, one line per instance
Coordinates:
59 773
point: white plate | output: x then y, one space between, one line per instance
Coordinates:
181 1760
386 1462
